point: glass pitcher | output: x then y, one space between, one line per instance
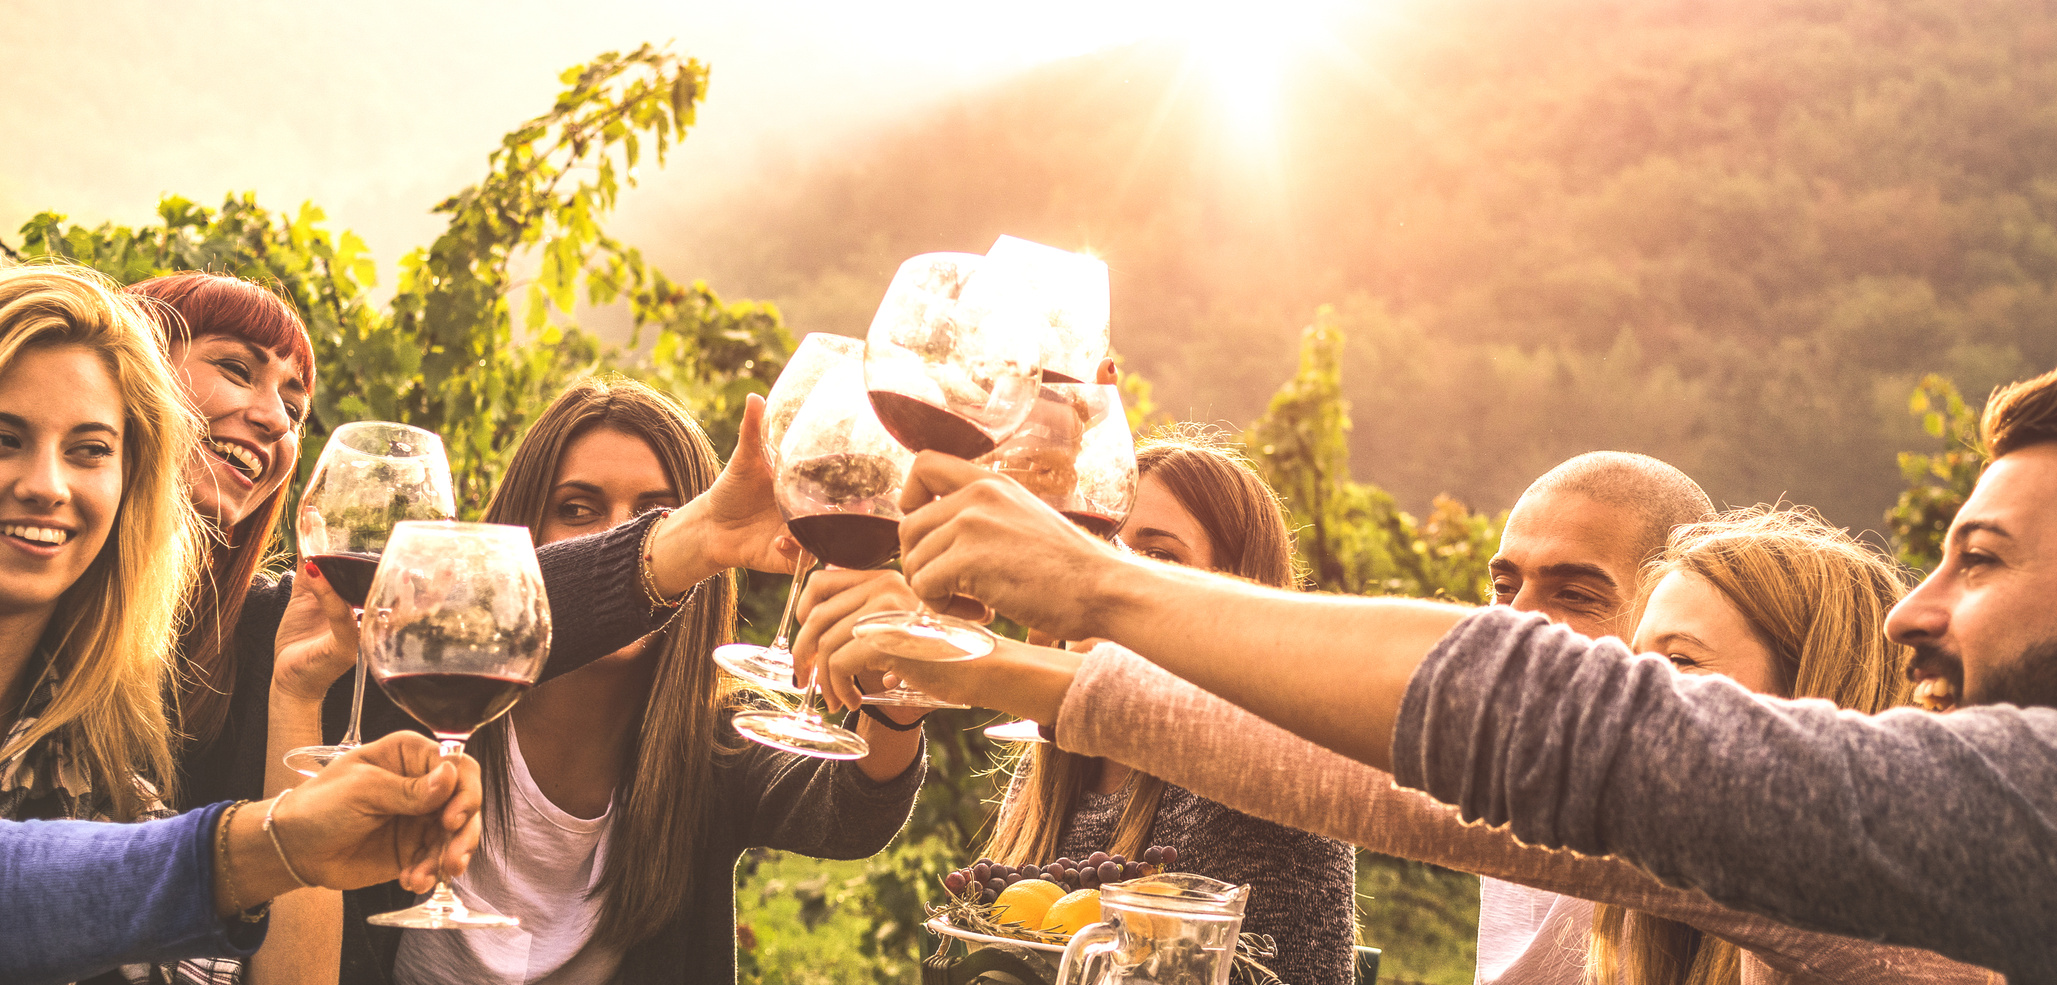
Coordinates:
1176 928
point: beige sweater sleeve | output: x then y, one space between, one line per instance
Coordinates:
1127 709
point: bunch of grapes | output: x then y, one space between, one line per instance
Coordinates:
987 878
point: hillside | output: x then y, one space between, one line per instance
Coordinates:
1730 235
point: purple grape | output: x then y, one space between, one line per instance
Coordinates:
988 897
1088 878
1013 877
985 861
1170 855
955 882
1096 858
1118 860
1031 871
1109 872
1130 870
1067 863
996 884
982 872
1154 855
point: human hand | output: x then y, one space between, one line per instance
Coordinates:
394 808
970 532
734 524
1022 679
829 608
317 639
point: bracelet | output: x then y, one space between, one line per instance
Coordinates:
273 831
649 577
872 712
247 914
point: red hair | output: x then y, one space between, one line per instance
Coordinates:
195 305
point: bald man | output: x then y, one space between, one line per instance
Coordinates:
1573 550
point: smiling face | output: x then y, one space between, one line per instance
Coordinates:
1692 623
60 472
1160 527
604 479
1982 626
253 402
1570 557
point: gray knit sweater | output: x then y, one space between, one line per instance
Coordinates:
1934 831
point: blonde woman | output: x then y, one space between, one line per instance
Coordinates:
98 543
1780 599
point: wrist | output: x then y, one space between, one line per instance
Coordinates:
678 556
1119 591
294 703
247 870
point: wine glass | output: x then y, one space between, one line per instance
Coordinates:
951 376
456 628
771 666
1076 454
1065 292
838 486
371 475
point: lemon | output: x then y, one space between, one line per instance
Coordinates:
1072 912
1026 901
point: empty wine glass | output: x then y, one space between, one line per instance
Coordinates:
1076 454
953 377
456 629
1065 294
771 666
371 475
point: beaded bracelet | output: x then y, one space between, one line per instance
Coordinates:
269 829
247 914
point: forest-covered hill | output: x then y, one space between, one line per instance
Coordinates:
1730 234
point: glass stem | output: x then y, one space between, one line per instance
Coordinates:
782 641
443 898
352 738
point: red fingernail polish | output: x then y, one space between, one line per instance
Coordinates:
313 569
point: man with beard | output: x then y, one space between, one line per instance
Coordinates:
1931 831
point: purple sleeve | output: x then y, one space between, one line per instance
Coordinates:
1932 831
83 897
597 603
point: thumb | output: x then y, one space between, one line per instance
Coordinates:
750 436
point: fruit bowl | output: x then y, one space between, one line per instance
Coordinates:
942 927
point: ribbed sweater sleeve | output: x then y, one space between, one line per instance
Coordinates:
84 897
1125 708
1931 831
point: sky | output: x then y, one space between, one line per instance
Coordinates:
375 109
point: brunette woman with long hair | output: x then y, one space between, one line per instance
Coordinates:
618 798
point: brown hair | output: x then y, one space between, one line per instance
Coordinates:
112 631
1247 534
1818 600
190 306
664 803
2020 414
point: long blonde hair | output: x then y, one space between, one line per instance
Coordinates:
1818 600
664 805
1247 533
112 633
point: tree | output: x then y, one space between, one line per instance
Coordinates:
1937 483
445 354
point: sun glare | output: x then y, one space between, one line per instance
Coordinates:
1245 53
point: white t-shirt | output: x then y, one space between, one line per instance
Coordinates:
1530 936
545 876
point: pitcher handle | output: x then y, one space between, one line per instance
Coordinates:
1093 941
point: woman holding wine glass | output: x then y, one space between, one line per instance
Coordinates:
1197 503
629 797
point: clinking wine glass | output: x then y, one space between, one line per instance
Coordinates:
771 666
1064 293
1075 453
951 376
456 629
371 475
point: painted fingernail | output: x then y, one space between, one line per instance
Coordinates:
313 570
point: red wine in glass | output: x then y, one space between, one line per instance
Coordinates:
922 427
349 573
1099 526
454 706
848 540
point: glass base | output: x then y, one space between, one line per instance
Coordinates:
309 760
801 735
925 636
1017 731
907 697
442 911
768 667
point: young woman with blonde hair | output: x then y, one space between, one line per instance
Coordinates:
97 547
